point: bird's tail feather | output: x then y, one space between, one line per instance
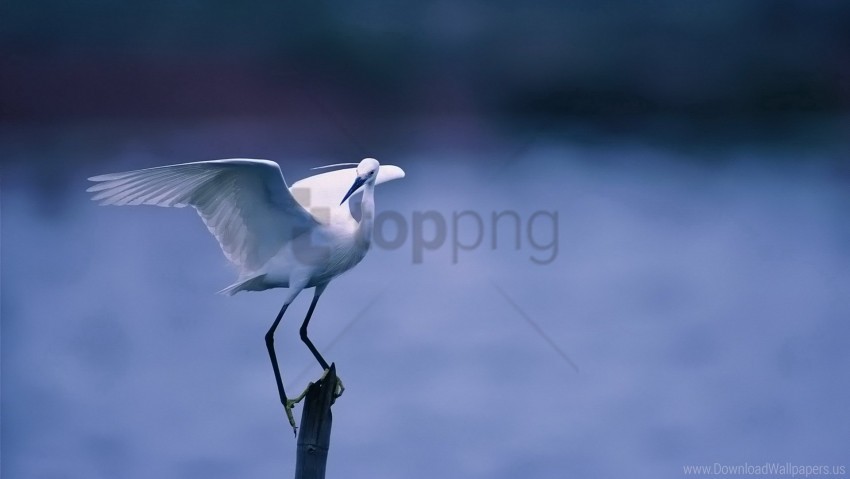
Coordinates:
254 283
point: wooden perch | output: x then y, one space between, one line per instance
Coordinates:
314 436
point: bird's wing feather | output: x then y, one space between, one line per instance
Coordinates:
320 194
244 203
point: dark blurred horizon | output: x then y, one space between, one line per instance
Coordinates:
722 69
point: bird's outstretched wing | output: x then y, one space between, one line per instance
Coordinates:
244 203
320 194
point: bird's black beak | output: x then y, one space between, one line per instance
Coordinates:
358 182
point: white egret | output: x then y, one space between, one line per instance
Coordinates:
277 237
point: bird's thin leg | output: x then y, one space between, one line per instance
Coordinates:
319 290
287 404
303 332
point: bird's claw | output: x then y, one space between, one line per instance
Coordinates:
339 388
287 406
290 403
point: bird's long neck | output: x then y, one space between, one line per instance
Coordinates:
367 219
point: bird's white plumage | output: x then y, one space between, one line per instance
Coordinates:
244 203
270 232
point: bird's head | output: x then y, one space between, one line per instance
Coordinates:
367 171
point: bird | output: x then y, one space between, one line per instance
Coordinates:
277 236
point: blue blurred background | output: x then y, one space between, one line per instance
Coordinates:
696 154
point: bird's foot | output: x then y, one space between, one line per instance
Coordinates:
287 406
290 403
340 388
